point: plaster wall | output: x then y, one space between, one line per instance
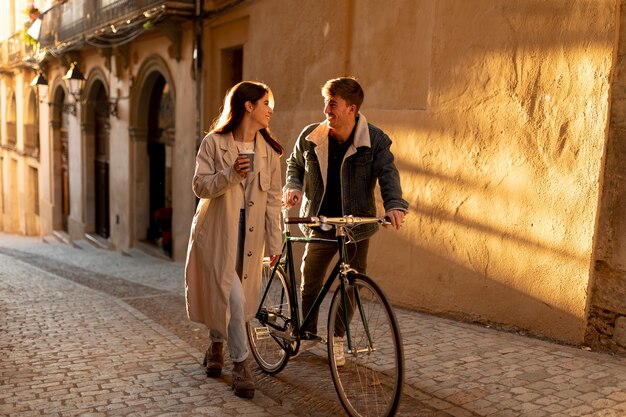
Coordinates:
120 186
502 169
498 113
76 157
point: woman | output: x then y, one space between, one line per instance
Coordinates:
238 212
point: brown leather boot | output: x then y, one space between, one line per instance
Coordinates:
214 359
243 380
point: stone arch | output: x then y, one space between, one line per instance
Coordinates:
59 165
95 128
11 117
152 83
11 196
31 123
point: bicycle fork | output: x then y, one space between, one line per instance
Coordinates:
346 289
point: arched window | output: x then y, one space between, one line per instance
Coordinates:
31 131
11 127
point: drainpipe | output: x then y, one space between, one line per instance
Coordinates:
197 55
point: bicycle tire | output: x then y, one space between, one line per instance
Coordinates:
264 343
370 382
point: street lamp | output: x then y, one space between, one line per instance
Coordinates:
74 81
41 85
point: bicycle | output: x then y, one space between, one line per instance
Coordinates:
370 382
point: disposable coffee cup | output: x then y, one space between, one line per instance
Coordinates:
250 155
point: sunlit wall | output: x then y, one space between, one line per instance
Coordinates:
497 110
502 168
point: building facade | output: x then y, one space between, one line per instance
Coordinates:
505 119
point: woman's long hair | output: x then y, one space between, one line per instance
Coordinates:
235 107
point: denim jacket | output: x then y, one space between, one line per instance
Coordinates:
368 159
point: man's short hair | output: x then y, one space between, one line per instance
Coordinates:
345 87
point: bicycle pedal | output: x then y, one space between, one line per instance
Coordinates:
262 333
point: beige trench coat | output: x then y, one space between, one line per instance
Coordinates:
212 250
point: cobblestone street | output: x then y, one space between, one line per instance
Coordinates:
89 331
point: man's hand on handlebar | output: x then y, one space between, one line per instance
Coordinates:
292 198
396 218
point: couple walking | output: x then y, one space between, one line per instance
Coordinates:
332 171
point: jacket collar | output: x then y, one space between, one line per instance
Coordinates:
319 135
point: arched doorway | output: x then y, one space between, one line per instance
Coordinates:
65 168
152 132
160 140
101 161
60 161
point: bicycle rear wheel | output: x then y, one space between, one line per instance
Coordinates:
370 381
266 345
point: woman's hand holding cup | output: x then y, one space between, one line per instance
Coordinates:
244 163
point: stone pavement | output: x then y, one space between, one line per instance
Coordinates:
77 338
68 350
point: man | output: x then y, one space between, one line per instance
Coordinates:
332 172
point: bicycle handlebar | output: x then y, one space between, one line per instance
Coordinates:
299 220
335 221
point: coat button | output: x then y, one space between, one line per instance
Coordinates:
250 203
251 228
245 276
250 253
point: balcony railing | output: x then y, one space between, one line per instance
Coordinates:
4 52
17 49
88 18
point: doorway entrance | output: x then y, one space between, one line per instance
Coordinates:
101 163
160 141
65 179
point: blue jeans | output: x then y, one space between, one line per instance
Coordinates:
237 339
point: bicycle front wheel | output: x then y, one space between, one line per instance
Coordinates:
275 309
362 329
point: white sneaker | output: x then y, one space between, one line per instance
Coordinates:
340 358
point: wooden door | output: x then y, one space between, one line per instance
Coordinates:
65 179
101 170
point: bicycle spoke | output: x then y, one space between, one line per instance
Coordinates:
370 382
265 344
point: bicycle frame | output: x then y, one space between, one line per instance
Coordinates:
340 269
364 346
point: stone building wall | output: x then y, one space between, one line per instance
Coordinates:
498 115
498 112
607 312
